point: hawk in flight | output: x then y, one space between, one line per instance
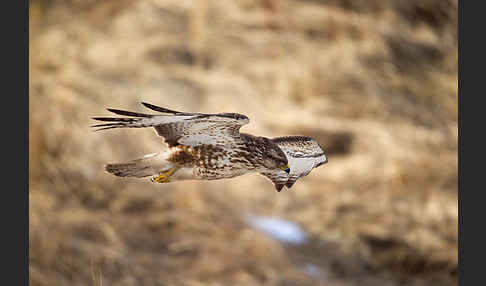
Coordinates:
210 147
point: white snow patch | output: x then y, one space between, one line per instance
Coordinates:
279 229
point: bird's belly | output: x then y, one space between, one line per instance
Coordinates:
209 163
197 173
185 173
218 173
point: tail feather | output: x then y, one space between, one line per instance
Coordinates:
147 166
129 170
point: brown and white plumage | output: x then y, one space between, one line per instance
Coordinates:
208 147
303 154
178 128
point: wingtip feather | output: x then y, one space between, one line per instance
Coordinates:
158 108
128 113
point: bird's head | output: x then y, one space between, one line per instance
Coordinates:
322 158
274 157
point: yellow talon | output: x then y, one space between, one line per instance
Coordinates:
164 176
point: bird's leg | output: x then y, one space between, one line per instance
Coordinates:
164 176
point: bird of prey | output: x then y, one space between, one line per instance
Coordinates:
210 147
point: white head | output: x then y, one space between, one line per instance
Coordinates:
303 153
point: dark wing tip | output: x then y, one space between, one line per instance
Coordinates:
104 128
113 119
158 108
290 183
128 113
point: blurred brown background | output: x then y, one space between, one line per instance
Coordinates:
375 82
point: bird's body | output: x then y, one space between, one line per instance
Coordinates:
210 147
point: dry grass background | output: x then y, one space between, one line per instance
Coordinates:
374 81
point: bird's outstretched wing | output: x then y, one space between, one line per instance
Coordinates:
180 128
303 154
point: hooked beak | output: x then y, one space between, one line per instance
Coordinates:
285 168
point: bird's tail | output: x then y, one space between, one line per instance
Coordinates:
147 166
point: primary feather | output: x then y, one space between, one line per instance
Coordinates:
189 129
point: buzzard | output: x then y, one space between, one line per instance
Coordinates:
210 147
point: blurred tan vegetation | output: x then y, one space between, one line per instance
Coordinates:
375 82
